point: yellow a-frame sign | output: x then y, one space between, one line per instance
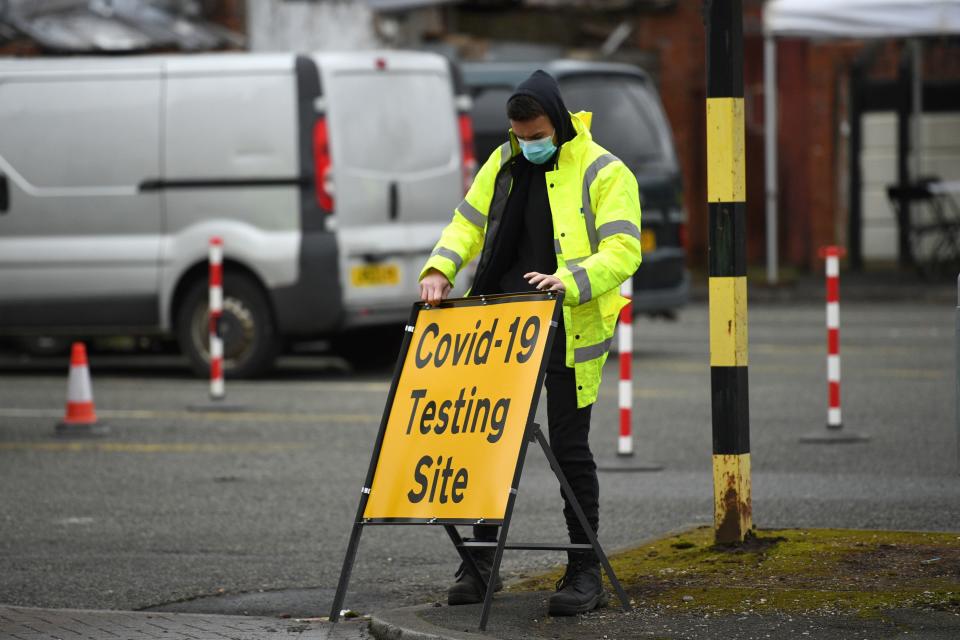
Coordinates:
458 418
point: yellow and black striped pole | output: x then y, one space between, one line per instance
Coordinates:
726 200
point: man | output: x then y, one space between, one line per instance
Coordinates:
550 210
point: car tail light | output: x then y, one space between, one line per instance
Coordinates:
469 157
321 162
682 234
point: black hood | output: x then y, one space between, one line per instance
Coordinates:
542 87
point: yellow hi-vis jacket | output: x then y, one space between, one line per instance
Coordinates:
595 206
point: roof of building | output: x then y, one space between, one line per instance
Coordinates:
106 26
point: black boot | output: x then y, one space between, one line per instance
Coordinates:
580 589
467 589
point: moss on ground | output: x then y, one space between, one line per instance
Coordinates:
791 570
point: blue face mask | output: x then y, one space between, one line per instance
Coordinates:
538 151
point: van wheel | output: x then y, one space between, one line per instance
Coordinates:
250 341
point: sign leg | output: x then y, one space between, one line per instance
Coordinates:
497 557
505 527
568 491
465 555
346 571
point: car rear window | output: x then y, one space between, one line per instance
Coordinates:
394 122
627 118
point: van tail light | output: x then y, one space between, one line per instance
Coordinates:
682 235
323 182
469 156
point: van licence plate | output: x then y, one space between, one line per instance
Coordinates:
648 241
375 275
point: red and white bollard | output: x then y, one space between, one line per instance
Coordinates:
833 255
625 347
834 432
217 388
625 460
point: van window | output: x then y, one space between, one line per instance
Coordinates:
627 119
394 122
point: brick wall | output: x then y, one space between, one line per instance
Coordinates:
232 14
813 81
677 38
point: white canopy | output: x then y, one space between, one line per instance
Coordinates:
840 19
861 18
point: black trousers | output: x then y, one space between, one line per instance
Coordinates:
569 430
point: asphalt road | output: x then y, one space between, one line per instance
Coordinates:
250 512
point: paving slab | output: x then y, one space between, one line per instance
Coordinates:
28 623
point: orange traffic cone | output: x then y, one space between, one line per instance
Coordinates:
80 417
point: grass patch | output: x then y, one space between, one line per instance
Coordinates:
791 570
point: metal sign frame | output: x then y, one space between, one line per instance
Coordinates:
532 433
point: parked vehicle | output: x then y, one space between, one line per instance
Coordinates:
628 120
328 177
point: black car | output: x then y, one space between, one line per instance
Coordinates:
628 121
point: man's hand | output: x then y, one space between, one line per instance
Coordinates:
544 282
434 287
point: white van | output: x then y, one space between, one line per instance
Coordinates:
329 178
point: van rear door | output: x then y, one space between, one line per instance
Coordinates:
396 171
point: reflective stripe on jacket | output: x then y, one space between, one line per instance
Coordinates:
595 206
